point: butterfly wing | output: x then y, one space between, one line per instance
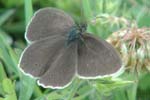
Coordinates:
38 56
62 70
96 58
48 22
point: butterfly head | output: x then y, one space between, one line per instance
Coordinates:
82 27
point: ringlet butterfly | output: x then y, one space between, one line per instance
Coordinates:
60 50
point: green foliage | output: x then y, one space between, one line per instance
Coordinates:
9 89
101 17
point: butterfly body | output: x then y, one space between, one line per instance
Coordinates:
54 64
75 33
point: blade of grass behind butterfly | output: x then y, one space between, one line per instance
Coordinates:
27 85
128 93
89 8
2 77
13 57
104 30
86 14
28 10
85 96
5 54
119 95
66 93
2 72
99 8
86 91
80 90
132 91
83 92
4 17
76 84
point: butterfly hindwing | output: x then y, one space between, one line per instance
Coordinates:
63 68
48 22
96 57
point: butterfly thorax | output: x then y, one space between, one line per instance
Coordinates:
75 33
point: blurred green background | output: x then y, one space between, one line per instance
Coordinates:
101 17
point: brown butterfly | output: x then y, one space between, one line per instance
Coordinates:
60 50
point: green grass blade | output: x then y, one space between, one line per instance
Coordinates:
2 72
28 10
5 55
4 17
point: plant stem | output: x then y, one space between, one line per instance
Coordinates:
133 90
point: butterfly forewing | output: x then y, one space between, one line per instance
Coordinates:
38 56
48 22
63 68
96 57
